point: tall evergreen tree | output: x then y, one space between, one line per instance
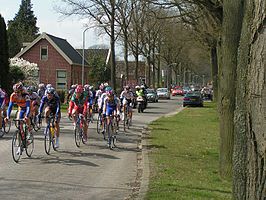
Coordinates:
4 63
22 28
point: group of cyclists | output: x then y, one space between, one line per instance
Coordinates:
81 100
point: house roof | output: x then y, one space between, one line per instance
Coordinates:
103 53
61 45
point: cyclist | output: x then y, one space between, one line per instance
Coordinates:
127 97
22 99
53 107
41 90
101 104
91 98
71 92
111 106
2 105
78 104
35 101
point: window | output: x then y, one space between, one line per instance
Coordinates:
44 52
61 79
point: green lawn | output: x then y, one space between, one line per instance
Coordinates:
184 156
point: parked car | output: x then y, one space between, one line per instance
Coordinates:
177 91
185 90
193 99
163 93
152 95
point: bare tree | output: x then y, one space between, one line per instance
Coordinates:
103 13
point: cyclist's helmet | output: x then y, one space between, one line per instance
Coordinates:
51 90
86 87
137 87
91 88
41 85
49 86
106 84
107 89
30 89
78 89
73 86
110 93
102 87
18 87
127 87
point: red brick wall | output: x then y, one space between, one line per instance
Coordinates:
48 67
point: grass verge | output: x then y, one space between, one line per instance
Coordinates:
184 156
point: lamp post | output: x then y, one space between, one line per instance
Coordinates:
83 52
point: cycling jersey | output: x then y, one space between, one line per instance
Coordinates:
23 103
111 105
101 100
127 97
34 97
53 104
79 104
41 92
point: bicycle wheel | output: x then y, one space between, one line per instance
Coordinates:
34 125
99 124
114 135
77 135
16 146
47 140
6 126
2 133
30 146
53 142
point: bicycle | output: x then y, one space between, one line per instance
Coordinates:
78 130
49 134
6 127
126 121
20 142
100 127
35 123
113 129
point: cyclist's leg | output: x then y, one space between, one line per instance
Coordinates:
57 127
47 112
75 111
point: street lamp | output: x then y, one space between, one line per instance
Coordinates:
83 52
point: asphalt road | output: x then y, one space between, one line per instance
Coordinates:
89 172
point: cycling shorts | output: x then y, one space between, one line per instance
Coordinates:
53 111
2 102
21 112
110 110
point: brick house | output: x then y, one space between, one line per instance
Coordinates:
59 63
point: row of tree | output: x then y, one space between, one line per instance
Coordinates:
145 30
234 32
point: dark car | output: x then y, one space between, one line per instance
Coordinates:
152 95
193 99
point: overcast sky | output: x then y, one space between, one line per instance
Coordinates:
53 23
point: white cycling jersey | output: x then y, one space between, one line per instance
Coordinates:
127 95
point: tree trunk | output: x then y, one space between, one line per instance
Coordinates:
159 73
214 67
113 74
231 28
137 60
126 54
256 102
149 70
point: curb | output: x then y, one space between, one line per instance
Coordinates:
143 162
